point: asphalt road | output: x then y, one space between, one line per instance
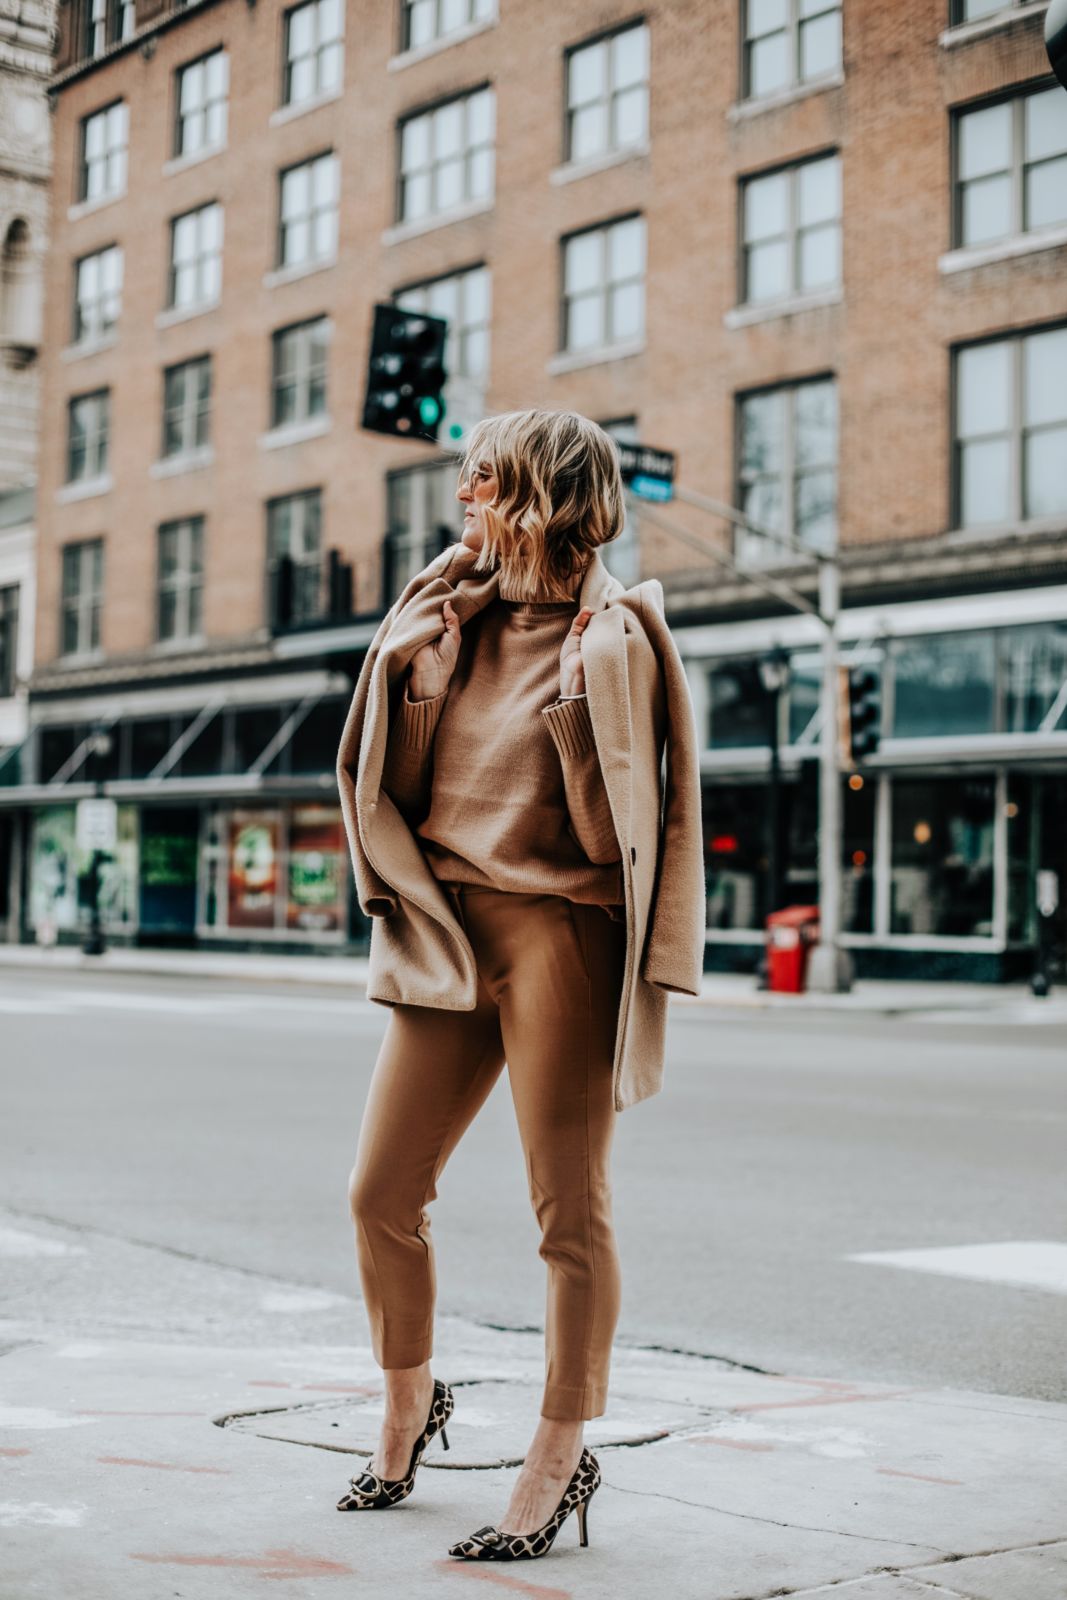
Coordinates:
218 1120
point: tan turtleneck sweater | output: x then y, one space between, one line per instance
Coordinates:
498 778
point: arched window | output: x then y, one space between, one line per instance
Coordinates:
20 298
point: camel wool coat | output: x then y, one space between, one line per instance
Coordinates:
645 732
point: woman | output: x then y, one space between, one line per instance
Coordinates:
486 841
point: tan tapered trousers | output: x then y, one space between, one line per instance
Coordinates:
549 982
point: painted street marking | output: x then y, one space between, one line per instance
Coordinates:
159 1466
920 1477
13 1242
272 1564
1019 1263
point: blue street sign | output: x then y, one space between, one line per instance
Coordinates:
647 488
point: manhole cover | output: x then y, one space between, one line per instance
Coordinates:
490 1427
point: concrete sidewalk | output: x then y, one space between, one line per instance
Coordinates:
190 1435
1010 1002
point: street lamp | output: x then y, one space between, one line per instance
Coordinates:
774 676
99 748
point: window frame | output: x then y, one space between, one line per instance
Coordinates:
458 331
200 302
792 30
199 411
86 603
10 606
83 335
430 110
285 98
97 437
186 583
178 153
782 554
604 228
303 563
1017 515
305 370
1017 169
794 232
310 260
81 189
604 37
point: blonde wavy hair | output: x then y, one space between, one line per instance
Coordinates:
559 496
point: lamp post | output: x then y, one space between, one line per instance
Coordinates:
774 677
98 752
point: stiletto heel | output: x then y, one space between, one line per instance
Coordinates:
369 1492
489 1544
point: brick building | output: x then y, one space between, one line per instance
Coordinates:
817 249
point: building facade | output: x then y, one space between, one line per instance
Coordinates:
816 249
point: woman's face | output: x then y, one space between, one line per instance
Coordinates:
476 491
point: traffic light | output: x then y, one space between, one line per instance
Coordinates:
405 374
864 711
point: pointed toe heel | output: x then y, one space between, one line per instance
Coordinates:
490 1544
369 1492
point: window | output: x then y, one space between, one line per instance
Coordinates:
604 285
97 293
463 299
9 638
424 518
186 406
180 575
308 212
944 685
107 22
973 10
298 372
88 417
446 156
607 94
423 21
1034 671
789 42
200 112
622 556
102 164
82 596
787 454
791 230
294 530
1011 429
314 51
196 257
942 861
1011 167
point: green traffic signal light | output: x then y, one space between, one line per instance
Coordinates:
430 410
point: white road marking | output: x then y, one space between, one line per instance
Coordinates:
13 1242
1022 1263
36 1514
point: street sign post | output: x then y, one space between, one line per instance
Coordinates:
96 825
647 472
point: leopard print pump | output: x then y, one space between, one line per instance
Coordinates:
368 1492
489 1544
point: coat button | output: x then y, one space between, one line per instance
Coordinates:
633 854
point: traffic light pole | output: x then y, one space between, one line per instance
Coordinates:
829 967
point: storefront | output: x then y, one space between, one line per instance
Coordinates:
944 830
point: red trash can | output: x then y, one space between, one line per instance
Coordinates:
790 936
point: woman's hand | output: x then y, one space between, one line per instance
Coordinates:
433 663
571 667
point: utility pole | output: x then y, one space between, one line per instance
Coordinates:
829 967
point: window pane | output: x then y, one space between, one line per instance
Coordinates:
737 707
415 143
985 486
480 175
985 388
762 418
1046 194
942 864
1045 473
630 110
626 249
585 322
736 835
985 141
768 271
816 509
448 130
449 184
764 16
1045 117
629 57
769 66
766 206
819 198
587 77
815 417
480 117
416 197
986 211
820 45
1035 667
583 262
589 131
1045 378
820 257
627 311
944 685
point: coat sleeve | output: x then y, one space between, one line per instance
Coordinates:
376 898
588 807
407 773
674 950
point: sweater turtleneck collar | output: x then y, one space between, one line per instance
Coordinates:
541 602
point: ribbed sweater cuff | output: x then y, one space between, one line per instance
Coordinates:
570 726
417 720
